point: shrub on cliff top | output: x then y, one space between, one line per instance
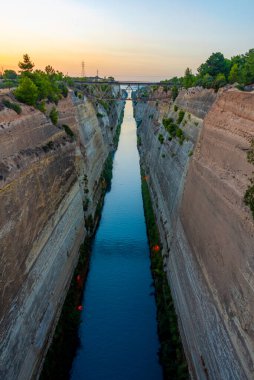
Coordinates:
38 85
54 115
27 92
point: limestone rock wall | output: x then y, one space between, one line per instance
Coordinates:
206 230
45 177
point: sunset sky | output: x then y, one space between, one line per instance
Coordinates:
152 39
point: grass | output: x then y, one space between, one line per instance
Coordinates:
171 352
13 106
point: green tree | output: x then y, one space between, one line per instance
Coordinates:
215 65
207 81
49 70
219 81
174 92
9 75
27 65
188 79
43 84
234 75
27 92
248 69
54 115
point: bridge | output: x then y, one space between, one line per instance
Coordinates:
123 82
102 89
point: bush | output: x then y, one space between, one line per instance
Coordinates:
175 108
161 138
9 75
27 92
249 197
173 130
220 81
174 93
14 106
64 90
68 130
54 115
249 194
41 106
180 116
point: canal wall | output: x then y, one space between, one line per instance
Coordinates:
49 190
197 184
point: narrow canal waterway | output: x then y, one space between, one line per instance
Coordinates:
118 324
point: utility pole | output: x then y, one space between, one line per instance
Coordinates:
83 69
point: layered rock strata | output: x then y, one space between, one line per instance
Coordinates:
46 177
206 230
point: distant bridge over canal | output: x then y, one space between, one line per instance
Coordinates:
102 92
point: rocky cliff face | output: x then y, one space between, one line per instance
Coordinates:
46 178
206 230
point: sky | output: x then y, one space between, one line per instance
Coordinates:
131 39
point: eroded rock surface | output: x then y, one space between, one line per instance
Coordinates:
46 176
206 230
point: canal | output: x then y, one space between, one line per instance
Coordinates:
118 329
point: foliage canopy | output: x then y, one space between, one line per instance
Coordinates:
36 86
218 71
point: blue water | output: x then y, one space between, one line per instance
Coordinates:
118 324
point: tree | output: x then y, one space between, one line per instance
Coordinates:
27 65
248 69
215 65
220 81
207 81
54 115
42 82
49 70
234 75
9 75
188 79
27 92
174 92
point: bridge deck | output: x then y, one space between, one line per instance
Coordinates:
124 83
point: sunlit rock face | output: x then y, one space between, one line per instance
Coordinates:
207 231
45 178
